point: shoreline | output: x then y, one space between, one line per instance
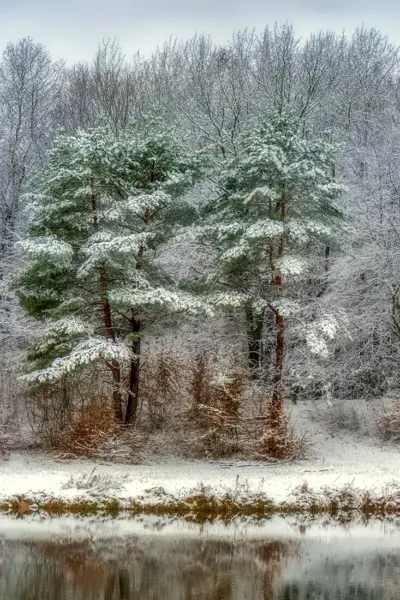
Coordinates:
342 505
342 479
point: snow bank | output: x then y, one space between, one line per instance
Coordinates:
41 476
336 460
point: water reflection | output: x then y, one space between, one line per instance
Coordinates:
165 568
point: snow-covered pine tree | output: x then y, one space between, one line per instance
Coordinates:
101 209
277 207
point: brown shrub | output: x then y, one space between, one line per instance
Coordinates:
7 428
215 410
90 426
279 440
52 407
161 375
49 407
93 433
200 395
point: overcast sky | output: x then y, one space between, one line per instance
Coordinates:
72 29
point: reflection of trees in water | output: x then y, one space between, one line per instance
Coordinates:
359 578
385 569
318 591
143 568
273 555
1 555
160 568
27 576
32 572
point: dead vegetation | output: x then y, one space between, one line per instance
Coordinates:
344 505
279 440
190 406
92 433
95 482
214 414
9 418
6 431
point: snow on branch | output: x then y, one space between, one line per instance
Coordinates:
48 248
85 352
172 301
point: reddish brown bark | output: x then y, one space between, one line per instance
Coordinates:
110 334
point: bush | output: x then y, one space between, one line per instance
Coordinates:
94 434
192 406
90 426
10 393
7 428
340 416
52 407
160 375
279 440
214 414
388 422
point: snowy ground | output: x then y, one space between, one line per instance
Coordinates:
335 460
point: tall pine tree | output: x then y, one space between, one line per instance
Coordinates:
101 209
278 204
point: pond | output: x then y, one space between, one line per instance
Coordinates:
63 559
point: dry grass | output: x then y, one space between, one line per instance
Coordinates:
93 433
278 439
190 406
96 482
343 505
214 416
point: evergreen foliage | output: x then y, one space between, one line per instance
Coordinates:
101 209
279 200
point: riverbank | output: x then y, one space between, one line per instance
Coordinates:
352 468
201 491
338 504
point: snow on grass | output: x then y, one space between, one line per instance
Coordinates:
43 477
93 481
338 459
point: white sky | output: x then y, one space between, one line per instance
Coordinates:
72 29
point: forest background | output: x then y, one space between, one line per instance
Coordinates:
211 373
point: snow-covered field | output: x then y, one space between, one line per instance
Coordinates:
335 460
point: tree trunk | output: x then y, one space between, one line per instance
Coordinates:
107 318
277 281
133 395
327 255
277 395
254 339
114 365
